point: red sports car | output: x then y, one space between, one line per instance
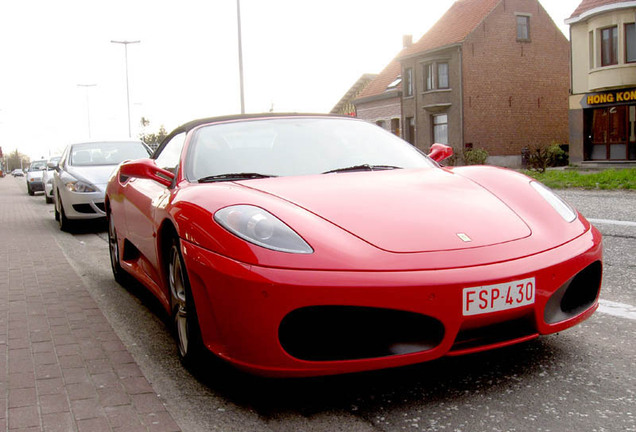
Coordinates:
301 245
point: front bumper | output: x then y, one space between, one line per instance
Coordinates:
36 185
82 205
48 189
246 312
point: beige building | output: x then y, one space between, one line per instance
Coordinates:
603 96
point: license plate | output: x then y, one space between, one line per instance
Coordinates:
498 297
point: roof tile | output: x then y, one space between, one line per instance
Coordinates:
587 5
384 78
453 27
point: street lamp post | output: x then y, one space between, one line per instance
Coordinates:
240 54
125 43
88 109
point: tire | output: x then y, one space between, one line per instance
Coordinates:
29 190
47 198
62 220
120 275
184 314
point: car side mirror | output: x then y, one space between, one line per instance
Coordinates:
51 165
439 152
145 169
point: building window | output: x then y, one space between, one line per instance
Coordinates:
440 128
630 43
523 28
436 76
442 75
410 130
395 126
408 82
428 76
591 52
609 46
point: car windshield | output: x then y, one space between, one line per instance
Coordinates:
39 165
295 146
106 153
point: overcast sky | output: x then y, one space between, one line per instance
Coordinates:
299 55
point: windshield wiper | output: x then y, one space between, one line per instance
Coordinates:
363 167
233 177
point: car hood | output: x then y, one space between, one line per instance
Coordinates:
98 175
35 174
405 211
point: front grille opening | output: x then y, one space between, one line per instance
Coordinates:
469 339
83 208
328 333
583 290
576 295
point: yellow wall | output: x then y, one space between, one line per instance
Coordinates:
587 73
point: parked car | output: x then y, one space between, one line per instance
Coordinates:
79 182
298 245
47 178
17 173
34 177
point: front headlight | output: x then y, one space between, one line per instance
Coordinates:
80 186
261 228
557 203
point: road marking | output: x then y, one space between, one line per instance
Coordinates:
612 222
617 309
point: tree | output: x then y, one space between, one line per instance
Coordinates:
17 160
153 139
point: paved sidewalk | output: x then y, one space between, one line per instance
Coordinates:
62 367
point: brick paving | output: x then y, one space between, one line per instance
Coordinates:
62 367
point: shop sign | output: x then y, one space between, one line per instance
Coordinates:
616 97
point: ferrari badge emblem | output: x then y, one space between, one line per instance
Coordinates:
464 237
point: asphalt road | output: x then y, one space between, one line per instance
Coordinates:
580 380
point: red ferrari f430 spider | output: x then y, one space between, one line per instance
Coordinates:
303 245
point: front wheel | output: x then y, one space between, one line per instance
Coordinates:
62 220
184 314
113 248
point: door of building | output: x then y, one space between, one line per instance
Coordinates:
612 133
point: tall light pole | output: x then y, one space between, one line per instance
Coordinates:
240 54
88 109
125 43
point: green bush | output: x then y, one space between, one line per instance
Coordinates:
542 157
475 156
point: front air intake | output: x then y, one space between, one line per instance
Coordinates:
576 295
329 333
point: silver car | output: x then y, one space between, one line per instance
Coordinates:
80 179
34 177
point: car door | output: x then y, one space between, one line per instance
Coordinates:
142 197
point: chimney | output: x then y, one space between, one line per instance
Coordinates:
407 40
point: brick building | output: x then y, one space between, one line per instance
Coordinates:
345 105
603 99
491 74
381 100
